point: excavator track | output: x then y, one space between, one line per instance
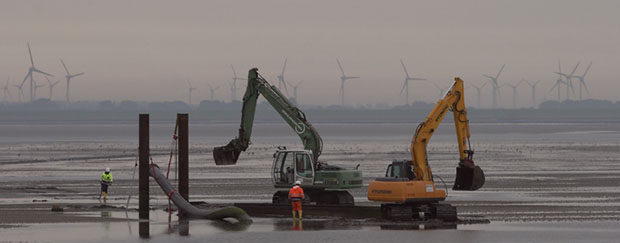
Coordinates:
413 212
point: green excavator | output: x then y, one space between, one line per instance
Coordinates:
322 183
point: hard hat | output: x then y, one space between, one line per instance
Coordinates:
298 182
107 169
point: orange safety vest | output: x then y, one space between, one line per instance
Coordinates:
296 193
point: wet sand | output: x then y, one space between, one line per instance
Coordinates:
535 184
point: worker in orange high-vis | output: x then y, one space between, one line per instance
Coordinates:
296 195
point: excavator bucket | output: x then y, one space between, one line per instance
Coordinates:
468 178
226 155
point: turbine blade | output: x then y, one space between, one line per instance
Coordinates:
488 76
588 68
403 89
340 66
574 69
586 86
44 73
500 71
48 80
75 75
65 66
27 76
30 52
284 67
401 63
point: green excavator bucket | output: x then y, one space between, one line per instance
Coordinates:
469 177
226 155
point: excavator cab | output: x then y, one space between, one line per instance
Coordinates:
290 166
400 169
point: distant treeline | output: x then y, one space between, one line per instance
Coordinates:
180 106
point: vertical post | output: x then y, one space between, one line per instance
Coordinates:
143 175
183 155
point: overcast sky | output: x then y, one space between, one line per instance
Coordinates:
146 50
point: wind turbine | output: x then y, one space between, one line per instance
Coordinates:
32 70
533 85
582 81
51 85
36 86
495 85
191 89
406 83
295 90
5 89
20 93
514 92
212 90
569 83
281 81
233 89
342 79
558 82
69 76
478 88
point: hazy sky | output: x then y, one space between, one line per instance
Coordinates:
146 50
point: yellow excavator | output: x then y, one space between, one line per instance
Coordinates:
408 188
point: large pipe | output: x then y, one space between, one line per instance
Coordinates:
189 209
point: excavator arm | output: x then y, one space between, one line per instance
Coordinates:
257 85
469 176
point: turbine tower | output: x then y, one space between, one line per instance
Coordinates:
32 70
342 79
533 85
569 77
295 90
406 83
233 88
281 81
478 88
69 76
5 89
51 85
582 81
212 90
514 93
191 89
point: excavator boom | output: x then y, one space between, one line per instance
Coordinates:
469 176
257 85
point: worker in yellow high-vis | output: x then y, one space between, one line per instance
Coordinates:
106 181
